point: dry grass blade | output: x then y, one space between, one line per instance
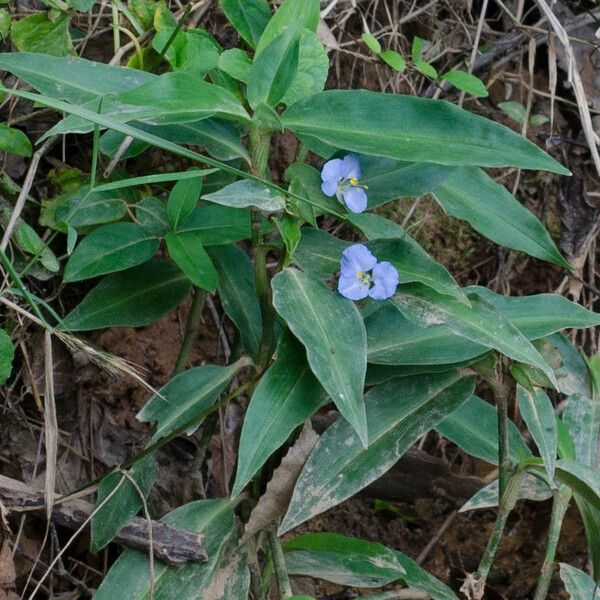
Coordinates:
278 494
575 79
50 426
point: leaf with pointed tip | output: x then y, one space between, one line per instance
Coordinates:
538 413
110 248
249 17
357 563
244 193
474 428
579 584
333 333
217 224
481 323
182 199
186 396
472 195
286 396
188 253
130 298
583 480
237 291
398 413
412 129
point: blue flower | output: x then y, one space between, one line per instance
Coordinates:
340 178
362 276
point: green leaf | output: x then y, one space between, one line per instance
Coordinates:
27 239
218 224
110 248
412 129
583 480
5 21
474 428
237 292
537 120
186 249
414 264
131 298
394 60
143 11
124 504
244 193
515 110
7 354
290 232
331 329
372 42
481 323
236 64
466 82
306 182
472 195
194 51
74 79
151 214
186 397
358 563
249 17
388 179
398 413
274 69
417 58
43 32
287 395
579 584
176 97
291 13
313 69
14 141
182 200
130 575
538 413
82 208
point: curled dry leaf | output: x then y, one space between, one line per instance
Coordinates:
277 496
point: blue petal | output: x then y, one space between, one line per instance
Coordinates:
351 167
329 187
355 199
332 170
352 288
385 281
356 259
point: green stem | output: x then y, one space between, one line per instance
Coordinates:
507 503
281 574
192 326
559 508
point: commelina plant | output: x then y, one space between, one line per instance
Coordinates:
377 328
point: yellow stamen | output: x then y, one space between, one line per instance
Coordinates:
353 181
360 274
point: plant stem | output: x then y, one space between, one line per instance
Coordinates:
281 574
192 326
507 503
260 141
559 508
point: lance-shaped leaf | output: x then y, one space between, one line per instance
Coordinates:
474 428
481 323
579 584
398 413
182 199
249 17
538 413
319 252
333 332
237 292
70 78
583 480
286 396
130 576
352 562
186 397
472 195
244 193
186 249
111 248
412 129
130 298
218 225
124 504
176 97
274 69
